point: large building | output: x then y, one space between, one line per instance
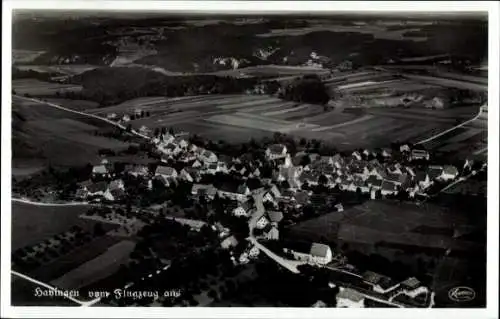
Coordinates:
313 253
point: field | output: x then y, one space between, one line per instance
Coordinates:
37 87
25 56
32 224
237 118
42 134
97 268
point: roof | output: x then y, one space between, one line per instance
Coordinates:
165 170
420 176
451 170
372 277
207 153
411 282
277 148
351 294
372 179
233 187
116 184
301 197
388 186
97 187
319 250
100 169
399 178
434 172
275 216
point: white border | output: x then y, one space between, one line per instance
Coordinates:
260 7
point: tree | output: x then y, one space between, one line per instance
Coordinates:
128 128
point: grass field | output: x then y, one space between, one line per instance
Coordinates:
32 224
97 268
42 134
74 259
37 87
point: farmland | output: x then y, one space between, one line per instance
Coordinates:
32 224
37 87
96 269
44 134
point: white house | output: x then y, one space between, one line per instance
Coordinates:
423 180
196 164
276 151
386 153
419 155
100 170
208 156
181 142
357 155
350 298
253 252
316 254
166 172
405 148
261 222
449 173
242 210
233 191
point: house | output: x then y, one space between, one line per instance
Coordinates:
111 116
204 190
137 170
275 216
229 242
166 172
310 178
395 169
435 172
423 180
253 252
389 188
181 142
273 233
374 182
234 191
398 179
190 174
338 161
380 283
410 171
386 153
144 130
276 151
167 138
126 118
417 154
116 184
100 171
242 209
96 189
405 148
413 287
339 207
357 155
196 164
169 148
319 304
449 173
349 298
192 148
208 157
301 198
361 185
313 253
261 222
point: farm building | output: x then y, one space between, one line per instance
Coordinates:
417 154
276 151
313 253
166 172
350 298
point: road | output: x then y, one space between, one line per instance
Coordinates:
288 264
30 202
81 113
451 129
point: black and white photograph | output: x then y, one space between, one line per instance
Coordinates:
166 158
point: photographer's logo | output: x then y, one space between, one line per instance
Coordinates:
461 294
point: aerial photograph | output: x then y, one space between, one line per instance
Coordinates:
277 160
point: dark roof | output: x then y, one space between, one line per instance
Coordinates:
277 148
275 216
233 187
164 170
435 172
449 169
374 180
411 283
301 197
420 176
388 186
97 187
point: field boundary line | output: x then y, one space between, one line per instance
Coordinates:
451 129
30 202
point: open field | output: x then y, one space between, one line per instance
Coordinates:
239 117
77 105
69 69
74 259
32 224
25 56
43 134
97 268
37 87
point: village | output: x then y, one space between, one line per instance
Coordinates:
268 194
